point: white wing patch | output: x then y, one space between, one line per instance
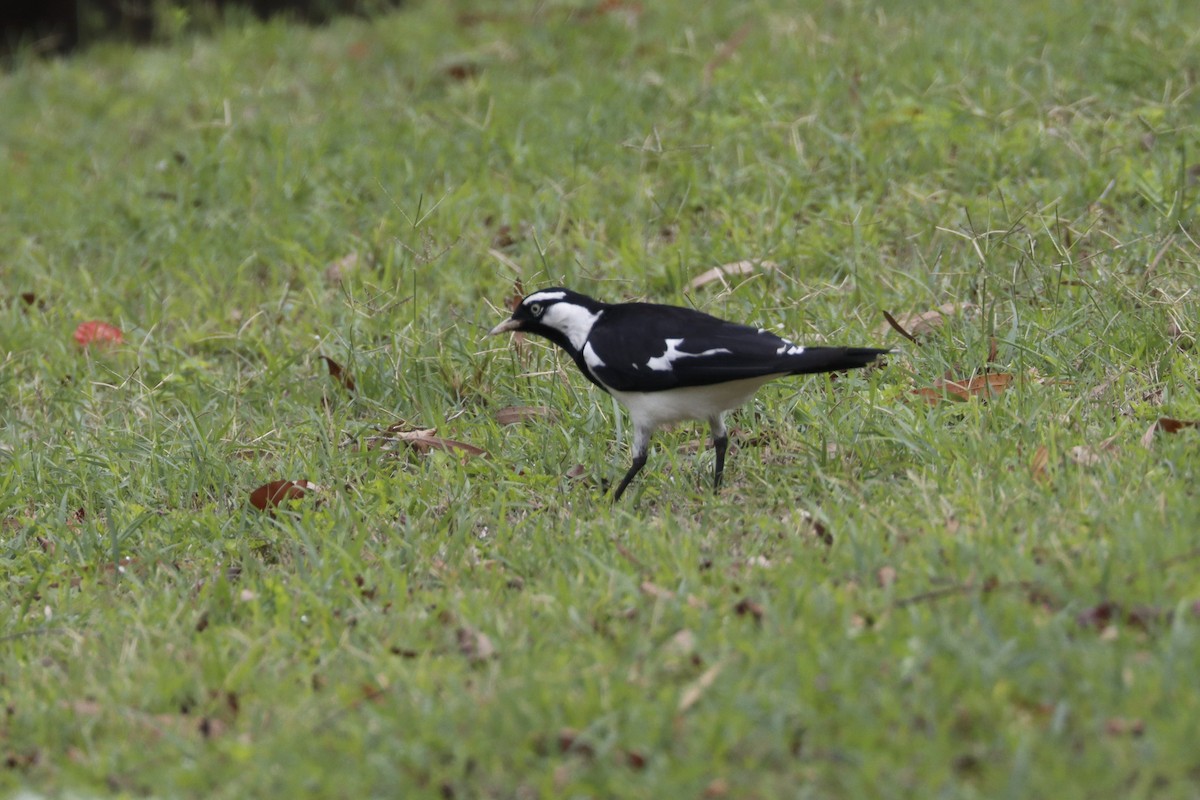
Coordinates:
663 363
789 349
574 321
590 358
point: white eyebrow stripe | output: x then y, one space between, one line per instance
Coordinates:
539 297
663 363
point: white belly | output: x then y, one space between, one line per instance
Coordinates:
694 402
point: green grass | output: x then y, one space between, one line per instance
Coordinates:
960 623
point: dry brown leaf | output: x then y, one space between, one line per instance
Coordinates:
340 374
423 441
731 270
695 690
885 576
571 741
513 301
1084 455
272 494
475 645
898 328
1119 726
747 607
511 415
726 51
337 270
716 789
681 645
460 69
982 386
927 321
1178 336
656 591
1166 425
1087 455
1037 465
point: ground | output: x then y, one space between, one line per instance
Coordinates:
969 573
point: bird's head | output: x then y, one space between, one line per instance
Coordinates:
563 316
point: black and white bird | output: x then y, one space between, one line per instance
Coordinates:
666 363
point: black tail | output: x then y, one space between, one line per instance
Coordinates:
834 359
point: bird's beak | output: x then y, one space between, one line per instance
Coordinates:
504 327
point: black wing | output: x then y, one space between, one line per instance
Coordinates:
649 347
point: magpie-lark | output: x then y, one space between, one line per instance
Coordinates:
666 363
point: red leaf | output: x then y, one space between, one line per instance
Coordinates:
982 386
1167 425
272 494
98 333
340 374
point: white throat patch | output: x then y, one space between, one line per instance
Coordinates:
663 363
574 321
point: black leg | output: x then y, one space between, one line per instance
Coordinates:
720 443
639 461
641 446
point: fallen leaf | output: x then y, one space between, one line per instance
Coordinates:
511 415
657 592
340 374
513 301
926 322
726 51
1099 616
885 576
504 237
337 270
730 270
570 741
681 645
576 472
1178 336
717 788
1037 465
1087 456
695 690
1166 425
272 494
982 386
898 328
747 607
461 69
475 645
424 441
98 333
1119 726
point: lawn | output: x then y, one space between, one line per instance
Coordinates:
969 573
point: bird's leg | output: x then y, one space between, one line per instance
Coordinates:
720 444
641 443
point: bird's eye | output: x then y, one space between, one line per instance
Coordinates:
536 309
